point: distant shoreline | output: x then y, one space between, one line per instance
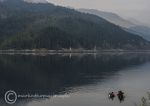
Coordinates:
67 51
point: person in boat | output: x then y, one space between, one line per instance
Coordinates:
121 96
111 95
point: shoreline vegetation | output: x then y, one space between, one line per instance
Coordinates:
145 101
67 51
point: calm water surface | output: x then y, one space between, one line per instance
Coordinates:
75 79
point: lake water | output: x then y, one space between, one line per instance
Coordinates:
75 79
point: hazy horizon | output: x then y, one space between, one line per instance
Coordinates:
137 9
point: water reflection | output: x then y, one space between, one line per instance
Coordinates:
60 74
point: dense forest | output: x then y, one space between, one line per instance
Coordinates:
43 25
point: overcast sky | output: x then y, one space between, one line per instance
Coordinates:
138 9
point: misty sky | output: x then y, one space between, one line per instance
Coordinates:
138 9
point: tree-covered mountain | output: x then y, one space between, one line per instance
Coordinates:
111 17
130 25
144 31
25 25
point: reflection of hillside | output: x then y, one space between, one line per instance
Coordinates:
56 73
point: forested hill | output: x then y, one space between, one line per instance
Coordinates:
43 25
